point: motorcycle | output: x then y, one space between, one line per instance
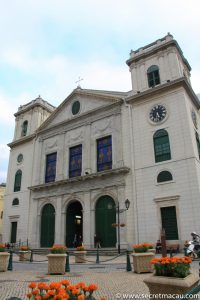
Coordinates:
191 251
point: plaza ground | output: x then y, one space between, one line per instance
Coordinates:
113 281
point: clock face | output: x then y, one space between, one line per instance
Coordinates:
158 113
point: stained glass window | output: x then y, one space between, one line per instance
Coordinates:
75 161
104 154
50 174
18 179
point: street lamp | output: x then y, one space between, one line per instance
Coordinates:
127 204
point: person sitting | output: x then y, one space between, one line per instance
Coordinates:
158 246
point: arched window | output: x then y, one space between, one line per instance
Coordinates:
161 145
18 179
24 128
153 76
164 176
198 142
15 201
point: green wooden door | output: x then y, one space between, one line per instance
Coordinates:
13 237
105 216
47 226
74 223
169 222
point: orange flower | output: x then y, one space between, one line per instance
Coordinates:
51 292
35 292
65 282
75 291
29 295
80 285
103 298
32 285
38 297
43 286
92 287
81 297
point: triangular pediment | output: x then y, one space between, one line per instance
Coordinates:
79 103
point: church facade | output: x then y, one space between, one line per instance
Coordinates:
73 167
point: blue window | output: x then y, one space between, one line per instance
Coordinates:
153 76
75 161
104 154
161 145
50 174
18 180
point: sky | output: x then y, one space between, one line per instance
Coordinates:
47 45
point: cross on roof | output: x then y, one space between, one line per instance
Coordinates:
78 81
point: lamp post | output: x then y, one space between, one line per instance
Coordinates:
127 204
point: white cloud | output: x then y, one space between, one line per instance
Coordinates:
4 152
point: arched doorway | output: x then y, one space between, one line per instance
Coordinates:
105 216
47 226
74 223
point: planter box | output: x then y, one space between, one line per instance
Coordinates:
4 261
56 263
141 262
170 285
152 250
80 256
24 255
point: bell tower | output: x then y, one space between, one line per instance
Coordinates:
30 116
157 63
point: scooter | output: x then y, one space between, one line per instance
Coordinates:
191 251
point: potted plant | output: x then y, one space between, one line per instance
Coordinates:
80 254
24 253
3 258
172 276
57 259
62 290
141 258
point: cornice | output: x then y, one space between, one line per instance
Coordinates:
23 140
72 181
157 90
156 49
84 119
32 106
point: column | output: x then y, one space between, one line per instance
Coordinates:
86 221
58 238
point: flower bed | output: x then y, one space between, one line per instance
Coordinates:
2 248
80 248
139 248
172 266
62 290
24 253
58 249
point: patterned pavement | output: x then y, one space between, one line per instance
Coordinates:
111 277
